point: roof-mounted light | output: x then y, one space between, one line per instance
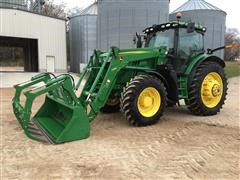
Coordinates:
168 25
163 26
178 15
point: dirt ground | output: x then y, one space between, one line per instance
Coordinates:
179 146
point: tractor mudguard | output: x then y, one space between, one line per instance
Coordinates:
200 59
190 71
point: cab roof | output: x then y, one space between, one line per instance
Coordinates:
173 25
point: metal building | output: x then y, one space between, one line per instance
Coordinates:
213 18
83 39
119 20
42 38
17 4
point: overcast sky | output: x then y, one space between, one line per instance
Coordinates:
229 6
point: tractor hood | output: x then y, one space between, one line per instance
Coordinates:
139 53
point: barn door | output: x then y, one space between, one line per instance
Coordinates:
50 63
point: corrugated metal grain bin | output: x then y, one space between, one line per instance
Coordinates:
213 18
18 4
119 20
83 29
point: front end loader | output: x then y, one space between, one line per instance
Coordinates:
140 82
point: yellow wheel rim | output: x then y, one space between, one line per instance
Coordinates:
212 90
149 102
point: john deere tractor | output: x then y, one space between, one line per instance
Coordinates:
140 82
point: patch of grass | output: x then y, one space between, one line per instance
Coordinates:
232 68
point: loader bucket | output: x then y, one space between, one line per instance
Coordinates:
61 122
61 118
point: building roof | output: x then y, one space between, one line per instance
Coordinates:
196 5
32 12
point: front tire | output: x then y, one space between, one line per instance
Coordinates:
207 90
143 100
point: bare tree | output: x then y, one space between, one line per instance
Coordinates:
232 37
54 10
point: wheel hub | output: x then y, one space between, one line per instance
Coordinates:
216 90
149 102
146 101
212 89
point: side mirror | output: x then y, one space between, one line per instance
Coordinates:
190 27
139 40
134 40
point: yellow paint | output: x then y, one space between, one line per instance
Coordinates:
212 90
149 102
133 52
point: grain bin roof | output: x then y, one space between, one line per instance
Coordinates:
196 5
90 10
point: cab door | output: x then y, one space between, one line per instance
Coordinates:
189 45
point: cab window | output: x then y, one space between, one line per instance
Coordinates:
162 38
190 44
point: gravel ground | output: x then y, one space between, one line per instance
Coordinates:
180 146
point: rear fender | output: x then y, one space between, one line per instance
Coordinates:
192 67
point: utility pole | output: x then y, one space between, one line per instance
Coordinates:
39 7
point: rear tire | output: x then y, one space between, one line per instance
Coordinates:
143 100
111 106
207 89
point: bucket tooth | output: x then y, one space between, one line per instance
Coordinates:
37 133
43 139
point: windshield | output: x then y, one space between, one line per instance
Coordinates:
162 38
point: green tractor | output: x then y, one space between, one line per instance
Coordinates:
140 82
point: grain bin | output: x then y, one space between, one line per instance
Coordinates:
119 20
82 33
213 18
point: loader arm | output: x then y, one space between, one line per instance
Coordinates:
96 96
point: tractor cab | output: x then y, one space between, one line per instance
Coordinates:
183 41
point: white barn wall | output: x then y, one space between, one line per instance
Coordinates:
50 33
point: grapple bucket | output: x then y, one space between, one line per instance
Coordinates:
61 118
